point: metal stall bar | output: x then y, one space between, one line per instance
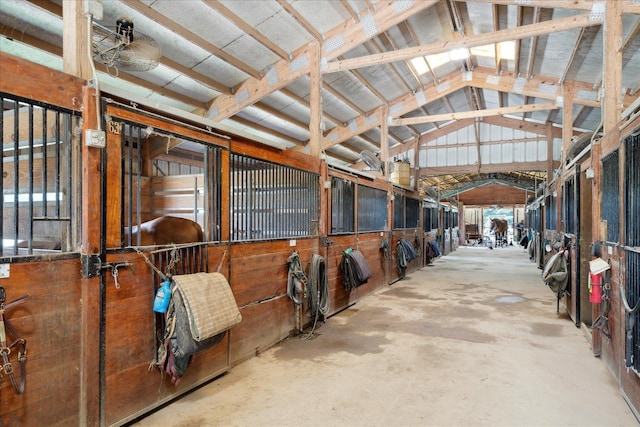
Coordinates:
2 99
16 174
30 184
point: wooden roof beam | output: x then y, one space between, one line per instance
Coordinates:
628 6
300 19
56 10
485 78
572 56
337 41
485 168
534 43
189 35
519 19
555 25
400 106
476 113
248 29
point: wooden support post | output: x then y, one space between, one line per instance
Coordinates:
384 140
315 102
77 53
612 80
416 164
90 346
567 124
76 61
549 153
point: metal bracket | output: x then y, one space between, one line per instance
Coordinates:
91 265
325 242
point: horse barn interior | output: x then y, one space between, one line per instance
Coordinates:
297 158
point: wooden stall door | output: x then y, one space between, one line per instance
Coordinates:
133 331
586 208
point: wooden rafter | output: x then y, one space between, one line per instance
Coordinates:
519 18
533 46
572 56
189 35
561 24
300 19
485 78
628 6
246 28
267 130
495 11
343 99
485 168
476 113
338 41
506 122
56 10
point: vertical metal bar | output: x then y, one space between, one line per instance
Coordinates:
70 162
269 204
302 192
44 161
287 225
241 198
2 180
30 184
232 197
278 196
295 199
57 164
129 169
218 190
188 259
16 174
248 170
258 175
138 173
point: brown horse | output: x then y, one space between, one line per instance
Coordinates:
166 230
499 228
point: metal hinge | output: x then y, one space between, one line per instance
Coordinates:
91 265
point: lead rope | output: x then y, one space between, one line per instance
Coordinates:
630 323
296 285
318 290
602 321
148 261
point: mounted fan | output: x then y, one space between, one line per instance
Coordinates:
123 49
373 161
430 191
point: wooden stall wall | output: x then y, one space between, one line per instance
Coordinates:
50 319
612 348
50 322
131 345
340 298
178 195
586 238
58 320
259 282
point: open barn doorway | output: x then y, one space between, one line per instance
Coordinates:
498 213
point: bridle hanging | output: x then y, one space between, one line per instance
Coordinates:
20 344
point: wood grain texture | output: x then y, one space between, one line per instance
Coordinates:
50 322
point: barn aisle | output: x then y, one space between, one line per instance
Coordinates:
472 340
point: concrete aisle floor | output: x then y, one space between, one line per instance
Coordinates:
472 340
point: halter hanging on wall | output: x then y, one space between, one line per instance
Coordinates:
20 344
